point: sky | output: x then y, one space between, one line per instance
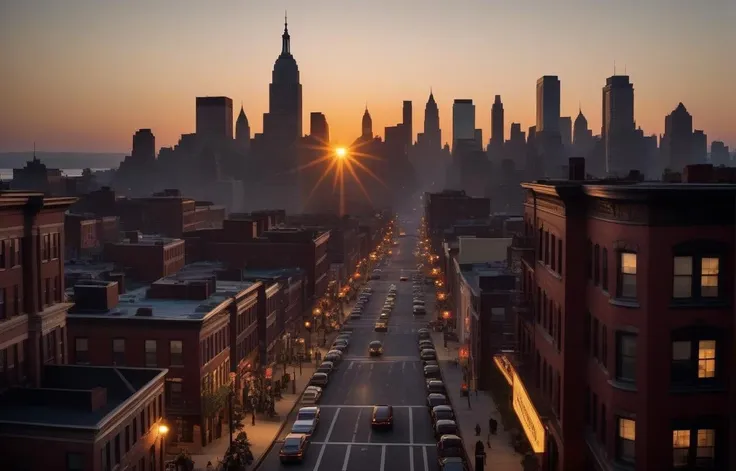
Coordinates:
83 75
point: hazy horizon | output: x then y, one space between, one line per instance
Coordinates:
84 75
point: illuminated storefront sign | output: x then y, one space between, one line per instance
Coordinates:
504 366
527 414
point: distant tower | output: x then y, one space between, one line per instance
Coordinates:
566 131
283 122
582 137
407 121
463 120
618 126
678 137
367 125
432 131
214 117
548 105
242 130
497 130
318 127
144 146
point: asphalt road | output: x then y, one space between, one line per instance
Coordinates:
345 440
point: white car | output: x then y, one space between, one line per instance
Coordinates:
311 396
303 426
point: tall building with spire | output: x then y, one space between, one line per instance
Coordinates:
366 125
283 122
408 122
431 138
497 128
242 130
582 136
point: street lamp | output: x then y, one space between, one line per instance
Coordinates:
163 429
230 395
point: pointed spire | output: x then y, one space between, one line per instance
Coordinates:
34 150
285 38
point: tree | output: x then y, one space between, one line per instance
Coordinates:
184 462
239 455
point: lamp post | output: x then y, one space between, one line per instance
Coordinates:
163 429
230 395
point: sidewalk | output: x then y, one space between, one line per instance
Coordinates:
265 431
501 456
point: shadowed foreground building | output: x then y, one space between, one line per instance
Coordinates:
52 415
625 325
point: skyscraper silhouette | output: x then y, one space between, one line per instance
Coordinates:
497 125
242 130
214 117
318 127
432 135
547 134
283 122
463 121
678 138
618 125
367 125
407 121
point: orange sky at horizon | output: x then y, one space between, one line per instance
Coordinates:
86 77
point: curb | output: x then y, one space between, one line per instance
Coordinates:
257 463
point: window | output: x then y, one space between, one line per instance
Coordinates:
603 423
117 449
118 352
595 338
693 448
627 275
604 269
127 438
626 357
74 462
175 392
81 350
552 249
695 277
626 440
604 346
680 448
589 259
684 353
597 264
151 357
559 256
175 352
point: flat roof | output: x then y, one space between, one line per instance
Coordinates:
170 309
273 273
64 399
149 240
86 267
472 272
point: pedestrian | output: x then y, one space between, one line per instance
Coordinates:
209 466
477 430
494 426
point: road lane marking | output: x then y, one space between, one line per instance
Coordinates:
383 457
332 425
372 366
357 424
350 366
361 444
319 458
411 458
424 455
411 426
403 365
347 459
365 406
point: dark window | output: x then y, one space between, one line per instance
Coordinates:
604 269
127 438
586 333
559 256
626 357
596 264
694 361
604 423
74 462
175 392
546 247
176 350
151 357
695 277
595 336
626 440
81 350
552 250
589 259
117 449
604 346
627 275
118 352
135 429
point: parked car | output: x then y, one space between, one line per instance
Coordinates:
294 448
434 400
303 426
442 412
326 367
445 427
319 379
449 446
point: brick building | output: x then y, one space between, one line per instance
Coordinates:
167 214
442 210
146 258
82 418
625 325
200 328
253 242
86 235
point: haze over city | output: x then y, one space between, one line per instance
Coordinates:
83 75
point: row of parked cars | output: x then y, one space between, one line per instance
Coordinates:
417 289
363 299
388 308
331 360
450 450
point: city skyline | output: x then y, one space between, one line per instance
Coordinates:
338 84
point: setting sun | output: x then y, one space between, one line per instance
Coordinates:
341 152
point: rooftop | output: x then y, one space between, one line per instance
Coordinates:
272 274
148 240
87 269
68 396
472 272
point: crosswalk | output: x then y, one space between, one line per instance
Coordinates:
384 359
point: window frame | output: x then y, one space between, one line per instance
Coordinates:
146 353
620 335
621 441
179 355
696 276
620 286
709 452
86 359
685 373
116 355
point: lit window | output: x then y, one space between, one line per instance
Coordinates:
627 280
707 359
683 277
709 277
626 449
680 448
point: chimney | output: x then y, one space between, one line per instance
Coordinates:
95 295
576 169
119 278
98 398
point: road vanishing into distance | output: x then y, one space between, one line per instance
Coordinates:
344 439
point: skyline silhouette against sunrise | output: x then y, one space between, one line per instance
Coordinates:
86 74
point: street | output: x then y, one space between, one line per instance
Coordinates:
345 439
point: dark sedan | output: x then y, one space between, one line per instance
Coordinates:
294 447
435 399
383 417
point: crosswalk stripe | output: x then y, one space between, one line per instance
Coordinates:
386 359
